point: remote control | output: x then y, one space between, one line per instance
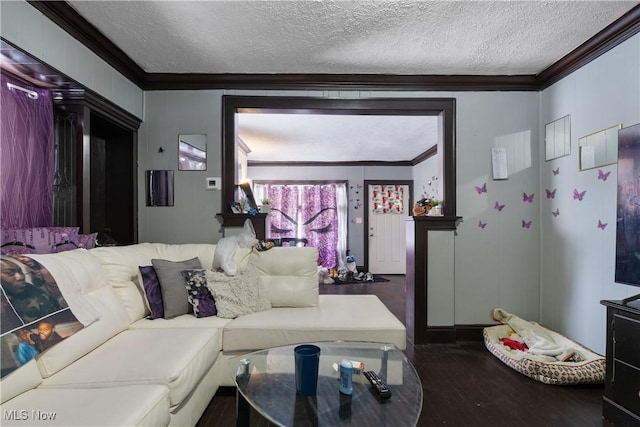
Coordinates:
379 386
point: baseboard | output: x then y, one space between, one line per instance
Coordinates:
456 333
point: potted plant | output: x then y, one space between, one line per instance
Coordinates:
436 206
266 205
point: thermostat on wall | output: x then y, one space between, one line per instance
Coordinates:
213 183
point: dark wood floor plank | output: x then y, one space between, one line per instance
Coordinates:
464 385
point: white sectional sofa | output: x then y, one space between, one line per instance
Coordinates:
124 369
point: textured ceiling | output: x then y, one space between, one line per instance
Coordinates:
349 37
395 37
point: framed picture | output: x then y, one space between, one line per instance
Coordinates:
557 138
235 207
599 148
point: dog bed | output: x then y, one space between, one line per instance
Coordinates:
580 365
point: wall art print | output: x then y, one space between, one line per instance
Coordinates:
628 207
387 199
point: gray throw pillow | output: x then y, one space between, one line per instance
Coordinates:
172 284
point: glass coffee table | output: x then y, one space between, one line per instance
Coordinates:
265 380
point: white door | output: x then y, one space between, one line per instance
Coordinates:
387 237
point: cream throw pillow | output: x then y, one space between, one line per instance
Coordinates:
236 295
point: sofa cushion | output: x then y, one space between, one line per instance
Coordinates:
290 275
172 284
20 380
336 317
139 405
121 264
175 357
184 321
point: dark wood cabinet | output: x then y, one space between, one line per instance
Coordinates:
621 400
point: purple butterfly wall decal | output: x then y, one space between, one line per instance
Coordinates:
578 195
602 225
482 189
556 171
498 207
551 194
526 224
482 224
603 176
527 198
556 212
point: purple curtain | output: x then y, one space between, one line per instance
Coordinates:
284 210
320 221
309 212
26 157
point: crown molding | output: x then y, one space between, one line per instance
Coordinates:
619 31
62 14
66 17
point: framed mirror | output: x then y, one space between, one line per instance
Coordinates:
192 152
599 148
159 187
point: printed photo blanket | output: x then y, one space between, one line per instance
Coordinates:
35 314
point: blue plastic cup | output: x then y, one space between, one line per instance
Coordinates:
307 359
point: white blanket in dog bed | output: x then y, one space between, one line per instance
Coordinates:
543 359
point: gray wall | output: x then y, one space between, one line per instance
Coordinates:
556 271
578 259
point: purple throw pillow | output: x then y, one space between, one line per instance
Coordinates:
87 241
152 291
198 293
39 240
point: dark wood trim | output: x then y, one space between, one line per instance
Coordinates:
440 335
365 207
437 222
160 81
66 17
455 333
259 163
619 31
229 219
441 107
62 14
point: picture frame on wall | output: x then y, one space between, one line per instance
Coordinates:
557 138
599 148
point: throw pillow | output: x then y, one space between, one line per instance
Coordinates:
237 295
152 291
64 240
87 241
39 240
172 284
198 293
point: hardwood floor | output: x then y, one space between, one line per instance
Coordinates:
463 384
